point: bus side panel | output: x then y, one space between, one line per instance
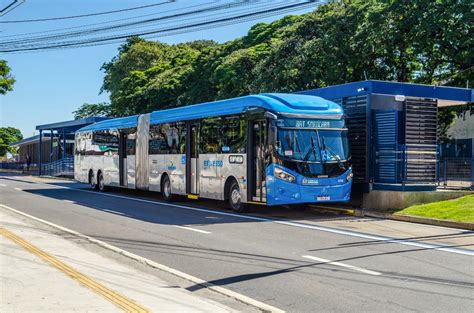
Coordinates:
209 182
110 169
131 171
81 166
233 164
177 170
156 170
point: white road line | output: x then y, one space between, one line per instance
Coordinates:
193 229
18 189
384 239
69 201
221 290
119 213
3 185
355 268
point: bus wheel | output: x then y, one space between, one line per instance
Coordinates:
166 189
92 181
101 183
235 198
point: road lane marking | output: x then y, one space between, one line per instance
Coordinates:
221 290
19 189
114 212
352 267
3 185
379 238
68 201
117 299
193 229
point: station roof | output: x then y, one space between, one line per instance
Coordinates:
275 102
29 140
72 125
447 96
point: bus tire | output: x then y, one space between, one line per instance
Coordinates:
100 182
166 189
235 198
92 182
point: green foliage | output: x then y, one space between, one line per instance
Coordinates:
8 135
6 80
343 41
460 210
93 109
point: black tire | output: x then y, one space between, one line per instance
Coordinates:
234 197
100 183
92 181
166 189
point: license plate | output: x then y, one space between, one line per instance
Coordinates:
323 198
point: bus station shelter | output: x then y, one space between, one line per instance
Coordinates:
393 132
59 135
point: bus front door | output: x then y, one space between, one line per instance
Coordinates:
192 159
258 145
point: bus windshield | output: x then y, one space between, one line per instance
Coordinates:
313 145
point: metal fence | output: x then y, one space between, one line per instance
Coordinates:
456 173
12 165
62 167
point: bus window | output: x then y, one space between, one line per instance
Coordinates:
233 132
104 142
210 135
158 143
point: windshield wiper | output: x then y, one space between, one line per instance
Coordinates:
338 159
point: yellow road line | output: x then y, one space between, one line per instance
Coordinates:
117 299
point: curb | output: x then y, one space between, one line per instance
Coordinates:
419 220
223 291
333 209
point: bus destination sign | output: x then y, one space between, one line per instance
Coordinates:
309 123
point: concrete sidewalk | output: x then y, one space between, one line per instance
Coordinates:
41 271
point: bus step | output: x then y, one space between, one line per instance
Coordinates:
191 196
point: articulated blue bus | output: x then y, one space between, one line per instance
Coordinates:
270 149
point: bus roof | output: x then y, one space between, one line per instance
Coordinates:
280 103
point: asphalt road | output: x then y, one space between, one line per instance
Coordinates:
292 265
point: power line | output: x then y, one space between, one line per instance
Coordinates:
101 23
85 15
10 7
124 25
168 31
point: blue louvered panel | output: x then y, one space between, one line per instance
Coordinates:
355 109
385 142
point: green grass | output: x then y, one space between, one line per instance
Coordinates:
459 210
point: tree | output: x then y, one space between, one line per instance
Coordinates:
342 41
6 80
93 109
8 135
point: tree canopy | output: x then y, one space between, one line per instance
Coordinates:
422 41
8 135
6 79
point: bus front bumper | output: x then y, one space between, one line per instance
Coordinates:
281 192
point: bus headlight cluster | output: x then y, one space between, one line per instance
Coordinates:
349 176
281 174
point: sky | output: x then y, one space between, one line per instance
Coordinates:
50 85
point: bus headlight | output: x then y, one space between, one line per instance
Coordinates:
349 176
281 174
